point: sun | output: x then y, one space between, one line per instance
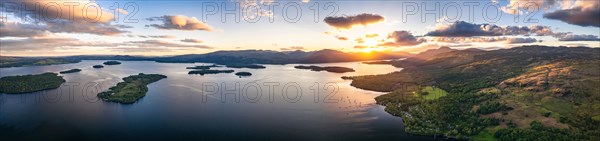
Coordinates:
372 49
371 43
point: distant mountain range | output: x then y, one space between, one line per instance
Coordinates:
221 57
275 57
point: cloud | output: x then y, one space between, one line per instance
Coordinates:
90 28
122 11
402 38
68 16
122 26
13 29
520 6
192 41
465 29
573 37
359 40
79 11
460 45
47 44
293 48
507 40
371 35
348 22
162 36
582 13
297 48
341 38
576 12
360 47
520 40
160 43
179 22
467 39
253 9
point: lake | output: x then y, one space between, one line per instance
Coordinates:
276 103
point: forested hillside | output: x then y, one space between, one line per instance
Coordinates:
524 92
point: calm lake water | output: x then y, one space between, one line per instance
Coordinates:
277 103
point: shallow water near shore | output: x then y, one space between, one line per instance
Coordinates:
276 103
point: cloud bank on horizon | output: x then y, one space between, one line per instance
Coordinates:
49 28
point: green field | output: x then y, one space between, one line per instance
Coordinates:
431 93
486 134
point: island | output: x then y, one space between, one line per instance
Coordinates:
98 66
30 83
131 90
70 71
206 67
242 74
112 63
328 69
203 72
249 66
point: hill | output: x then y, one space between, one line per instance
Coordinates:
544 90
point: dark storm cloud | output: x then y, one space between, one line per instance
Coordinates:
573 37
583 13
402 38
465 29
520 40
347 22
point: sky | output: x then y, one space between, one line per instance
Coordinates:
174 27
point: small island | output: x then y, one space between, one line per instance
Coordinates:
249 66
112 63
98 66
30 83
243 74
206 67
70 71
132 89
203 72
328 69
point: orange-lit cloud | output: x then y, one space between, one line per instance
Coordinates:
371 35
341 38
67 16
292 48
192 40
179 22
